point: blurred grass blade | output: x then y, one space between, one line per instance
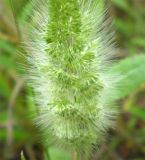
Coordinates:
7 47
7 62
137 112
122 4
133 75
4 88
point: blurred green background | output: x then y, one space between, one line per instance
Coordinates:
18 135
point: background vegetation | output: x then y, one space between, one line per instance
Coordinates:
18 135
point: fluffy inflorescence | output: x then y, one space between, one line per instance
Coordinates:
69 47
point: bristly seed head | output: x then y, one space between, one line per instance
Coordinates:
70 48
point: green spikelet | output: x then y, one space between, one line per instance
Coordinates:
69 48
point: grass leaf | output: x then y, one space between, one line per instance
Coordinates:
132 72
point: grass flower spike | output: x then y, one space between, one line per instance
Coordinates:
69 46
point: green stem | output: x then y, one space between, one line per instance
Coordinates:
74 155
47 154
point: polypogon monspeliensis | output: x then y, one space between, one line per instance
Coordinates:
70 47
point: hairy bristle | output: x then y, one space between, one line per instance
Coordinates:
70 46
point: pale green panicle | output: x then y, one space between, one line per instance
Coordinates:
69 46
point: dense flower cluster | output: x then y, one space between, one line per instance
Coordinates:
69 46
